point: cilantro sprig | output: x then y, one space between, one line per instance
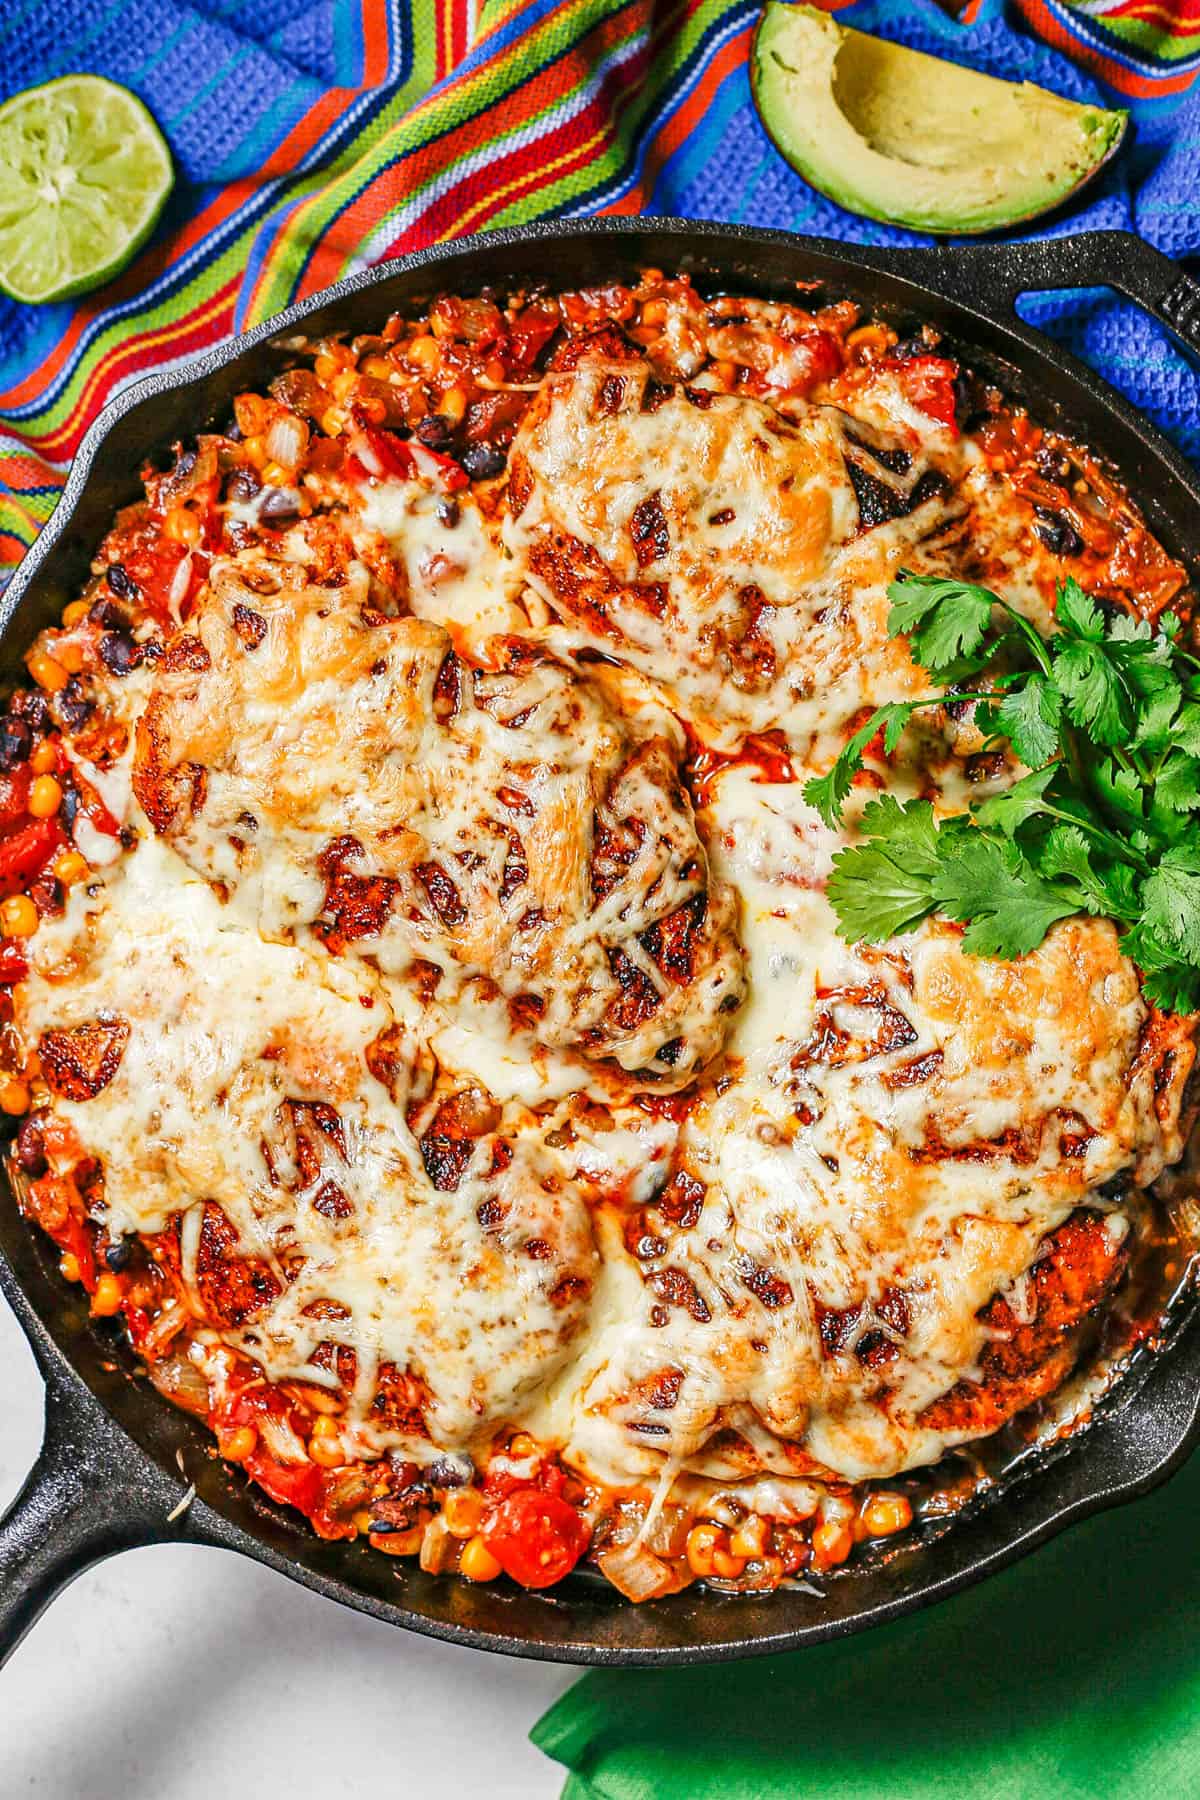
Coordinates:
1105 714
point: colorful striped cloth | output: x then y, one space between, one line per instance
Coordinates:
313 136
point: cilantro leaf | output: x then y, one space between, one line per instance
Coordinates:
1171 900
945 620
1023 801
1178 784
883 885
1167 979
1185 730
1096 698
1076 613
1105 888
1030 716
986 883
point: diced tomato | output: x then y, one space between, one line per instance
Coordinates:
536 1538
137 1323
928 381
824 355
24 851
528 335
14 793
382 453
293 1484
76 1238
13 963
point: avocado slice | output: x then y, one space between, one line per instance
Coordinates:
912 139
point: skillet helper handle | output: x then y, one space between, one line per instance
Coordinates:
69 1514
992 276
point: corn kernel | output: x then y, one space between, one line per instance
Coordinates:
727 1566
74 613
45 797
71 867
44 760
462 1510
326 366
702 1544
324 1427
749 1538
47 673
254 450
423 353
477 1562
18 916
343 384
885 1513
362 1521
326 1450
453 405
331 421
522 1445
832 1543
15 1097
182 526
237 1445
69 1266
70 655
378 368
107 1298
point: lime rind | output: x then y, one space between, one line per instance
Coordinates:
84 175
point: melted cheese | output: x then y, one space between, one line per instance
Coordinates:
879 1141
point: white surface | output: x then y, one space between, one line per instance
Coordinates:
186 1674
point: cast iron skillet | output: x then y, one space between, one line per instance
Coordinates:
117 1459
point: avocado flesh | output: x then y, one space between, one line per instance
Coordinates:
913 140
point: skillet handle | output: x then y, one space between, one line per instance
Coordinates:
992 276
71 1512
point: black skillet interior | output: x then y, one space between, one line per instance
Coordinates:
118 1459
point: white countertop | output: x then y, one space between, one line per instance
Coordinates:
179 1673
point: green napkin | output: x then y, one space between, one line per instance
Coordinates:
1075 1674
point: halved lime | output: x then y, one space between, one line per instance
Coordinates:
84 174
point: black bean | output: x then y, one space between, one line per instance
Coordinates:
279 504
31 1153
32 706
16 740
118 1254
1058 534
70 806
1052 465
243 485
233 432
435 432
73 704
482 461
103 612
121 582
119 654
185 463
448 511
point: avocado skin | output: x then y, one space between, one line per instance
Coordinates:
825 147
